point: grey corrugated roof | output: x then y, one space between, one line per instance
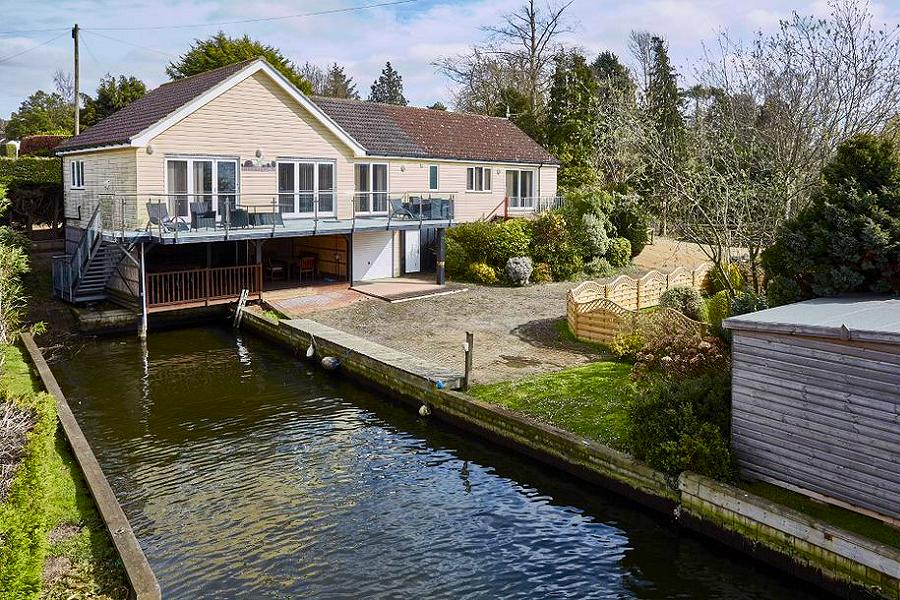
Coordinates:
157 104
864 318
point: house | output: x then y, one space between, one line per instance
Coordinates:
233 179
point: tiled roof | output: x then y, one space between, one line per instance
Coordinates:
382 129
390 130
156 105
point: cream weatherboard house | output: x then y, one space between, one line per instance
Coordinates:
233 179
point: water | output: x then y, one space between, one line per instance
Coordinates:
249 474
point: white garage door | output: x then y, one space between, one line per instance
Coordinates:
373 255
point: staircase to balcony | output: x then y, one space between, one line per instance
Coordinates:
84 275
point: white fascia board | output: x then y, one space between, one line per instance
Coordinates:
471 162
144 137
90 149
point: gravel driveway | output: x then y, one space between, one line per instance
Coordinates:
515 329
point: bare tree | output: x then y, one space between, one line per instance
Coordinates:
519 52
65 85
315 76
641 48
819 82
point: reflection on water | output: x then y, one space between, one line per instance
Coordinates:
249 474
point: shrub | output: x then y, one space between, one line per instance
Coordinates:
684 425
619 252
718 308
748 302
685 300
592 237
542 273
473 238
508 239
8 150
848 238
456 261
714 281
599 268
552 243
482 273
518 270
630 221
23 518
626 346
40 145
492 242
680 356
17 171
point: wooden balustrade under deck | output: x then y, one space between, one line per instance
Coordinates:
202 287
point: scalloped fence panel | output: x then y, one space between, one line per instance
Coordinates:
599 312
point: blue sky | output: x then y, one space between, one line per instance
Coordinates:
410 35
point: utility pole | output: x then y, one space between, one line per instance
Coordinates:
77 82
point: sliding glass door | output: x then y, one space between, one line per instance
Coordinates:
306 188
520 188
192 186
371 188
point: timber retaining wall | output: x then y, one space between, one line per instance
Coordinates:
834 559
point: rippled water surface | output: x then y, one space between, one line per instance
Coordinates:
247 473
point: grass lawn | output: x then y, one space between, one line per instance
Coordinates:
839 517
80 560
589 400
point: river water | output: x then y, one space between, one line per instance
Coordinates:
247 473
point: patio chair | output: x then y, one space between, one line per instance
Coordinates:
202 216
158 213
275 269
239 217
266 219
399 208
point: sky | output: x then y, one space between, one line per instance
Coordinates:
138 37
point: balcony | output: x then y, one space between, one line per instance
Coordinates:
182 218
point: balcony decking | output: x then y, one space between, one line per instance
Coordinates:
291 228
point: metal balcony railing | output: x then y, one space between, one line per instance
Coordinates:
172 215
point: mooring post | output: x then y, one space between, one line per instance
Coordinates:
441 247
468 347
142 333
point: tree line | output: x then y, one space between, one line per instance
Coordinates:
54 113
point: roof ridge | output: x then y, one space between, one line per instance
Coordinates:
244 62
407 107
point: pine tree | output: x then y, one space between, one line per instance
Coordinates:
613 77
572 120
221 50
338 84
515 104
663 106
388 88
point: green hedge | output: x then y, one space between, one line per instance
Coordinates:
30 170
24 521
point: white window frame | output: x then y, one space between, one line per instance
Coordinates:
371 192
437 178
77 173
316 191
518 201
192 192
486 176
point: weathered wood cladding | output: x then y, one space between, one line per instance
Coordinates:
820 415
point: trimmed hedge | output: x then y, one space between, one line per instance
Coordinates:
30 170
24 521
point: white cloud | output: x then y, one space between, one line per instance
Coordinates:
411 35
